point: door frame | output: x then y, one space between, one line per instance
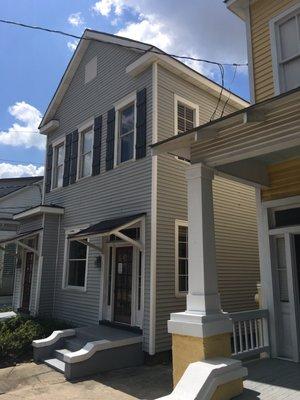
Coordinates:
268 278
24 256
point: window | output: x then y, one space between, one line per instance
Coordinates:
126 133
181 257
285 31
90 70
86 149
77 260
58 165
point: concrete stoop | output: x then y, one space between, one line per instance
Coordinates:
88 350
213 379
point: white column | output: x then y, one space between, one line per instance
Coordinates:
203 315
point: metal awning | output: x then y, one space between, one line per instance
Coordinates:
20 236
109 227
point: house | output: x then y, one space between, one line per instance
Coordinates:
16 194
259 146
109 242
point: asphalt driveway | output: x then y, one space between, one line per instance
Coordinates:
29 381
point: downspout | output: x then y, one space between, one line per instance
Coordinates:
152 323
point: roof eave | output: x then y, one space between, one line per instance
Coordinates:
238 7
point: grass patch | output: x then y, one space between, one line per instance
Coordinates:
17 334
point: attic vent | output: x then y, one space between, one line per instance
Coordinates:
90 70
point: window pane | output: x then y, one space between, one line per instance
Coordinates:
289 38
77 250
281 270
87 164
87 142
185 118
183 233
183 267
181 125
287 217
189 114
60 155
127 120
126 151
183 283
292 74
76 276
60 172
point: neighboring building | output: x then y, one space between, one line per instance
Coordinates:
16 194
112 229
259 146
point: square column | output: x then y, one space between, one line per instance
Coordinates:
202 331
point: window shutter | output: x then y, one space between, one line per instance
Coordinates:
66 178
74 155
97 145
49 168
110 139
141 124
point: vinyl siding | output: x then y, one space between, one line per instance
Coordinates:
284 180
261 13
122 191
172 205
31 224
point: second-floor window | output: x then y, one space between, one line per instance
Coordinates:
286 35
126 133
58 165
185 117
86 152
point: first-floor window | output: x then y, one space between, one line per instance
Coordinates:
181 257
126 133
58 165
77 264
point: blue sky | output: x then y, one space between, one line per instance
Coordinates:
32 62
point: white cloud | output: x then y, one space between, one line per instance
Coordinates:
72 45
76 19
24 134
105 7
14 171
202 29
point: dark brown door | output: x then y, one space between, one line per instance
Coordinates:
123 285
27 281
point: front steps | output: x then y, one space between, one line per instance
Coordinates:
88 350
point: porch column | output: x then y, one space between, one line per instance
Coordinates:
203 330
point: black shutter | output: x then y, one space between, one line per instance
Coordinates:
97 145
141 126
66 178
74 155
110 139
49 168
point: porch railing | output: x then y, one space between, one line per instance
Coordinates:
250 334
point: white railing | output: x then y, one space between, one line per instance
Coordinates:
250 333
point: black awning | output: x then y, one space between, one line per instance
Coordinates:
105 227
22 235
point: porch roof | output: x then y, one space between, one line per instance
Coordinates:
263 128
107 227
20 236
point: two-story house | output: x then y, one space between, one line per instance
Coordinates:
109 243
259 146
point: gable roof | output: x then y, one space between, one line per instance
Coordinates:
10 185
159 55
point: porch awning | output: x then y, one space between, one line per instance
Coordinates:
20 236
107 227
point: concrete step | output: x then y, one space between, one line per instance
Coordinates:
59 354
56 364
74 344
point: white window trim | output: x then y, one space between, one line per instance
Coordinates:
119 106
273 24
86 124
65 285
178 223
194 106
54 145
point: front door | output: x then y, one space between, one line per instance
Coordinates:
27 280
123 285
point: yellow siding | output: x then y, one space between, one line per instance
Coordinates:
262 12
284 180
236 244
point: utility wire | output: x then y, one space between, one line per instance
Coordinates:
150 50
229 89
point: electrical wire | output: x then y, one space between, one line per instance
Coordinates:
229 95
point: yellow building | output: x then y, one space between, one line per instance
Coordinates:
258 146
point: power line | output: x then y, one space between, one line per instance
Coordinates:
150 50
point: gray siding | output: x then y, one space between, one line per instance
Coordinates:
172 205
31 224
122 191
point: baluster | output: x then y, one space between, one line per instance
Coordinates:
234 339
256 334
251 334
246 335
241 337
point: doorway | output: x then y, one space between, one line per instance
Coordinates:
123 284
29 260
